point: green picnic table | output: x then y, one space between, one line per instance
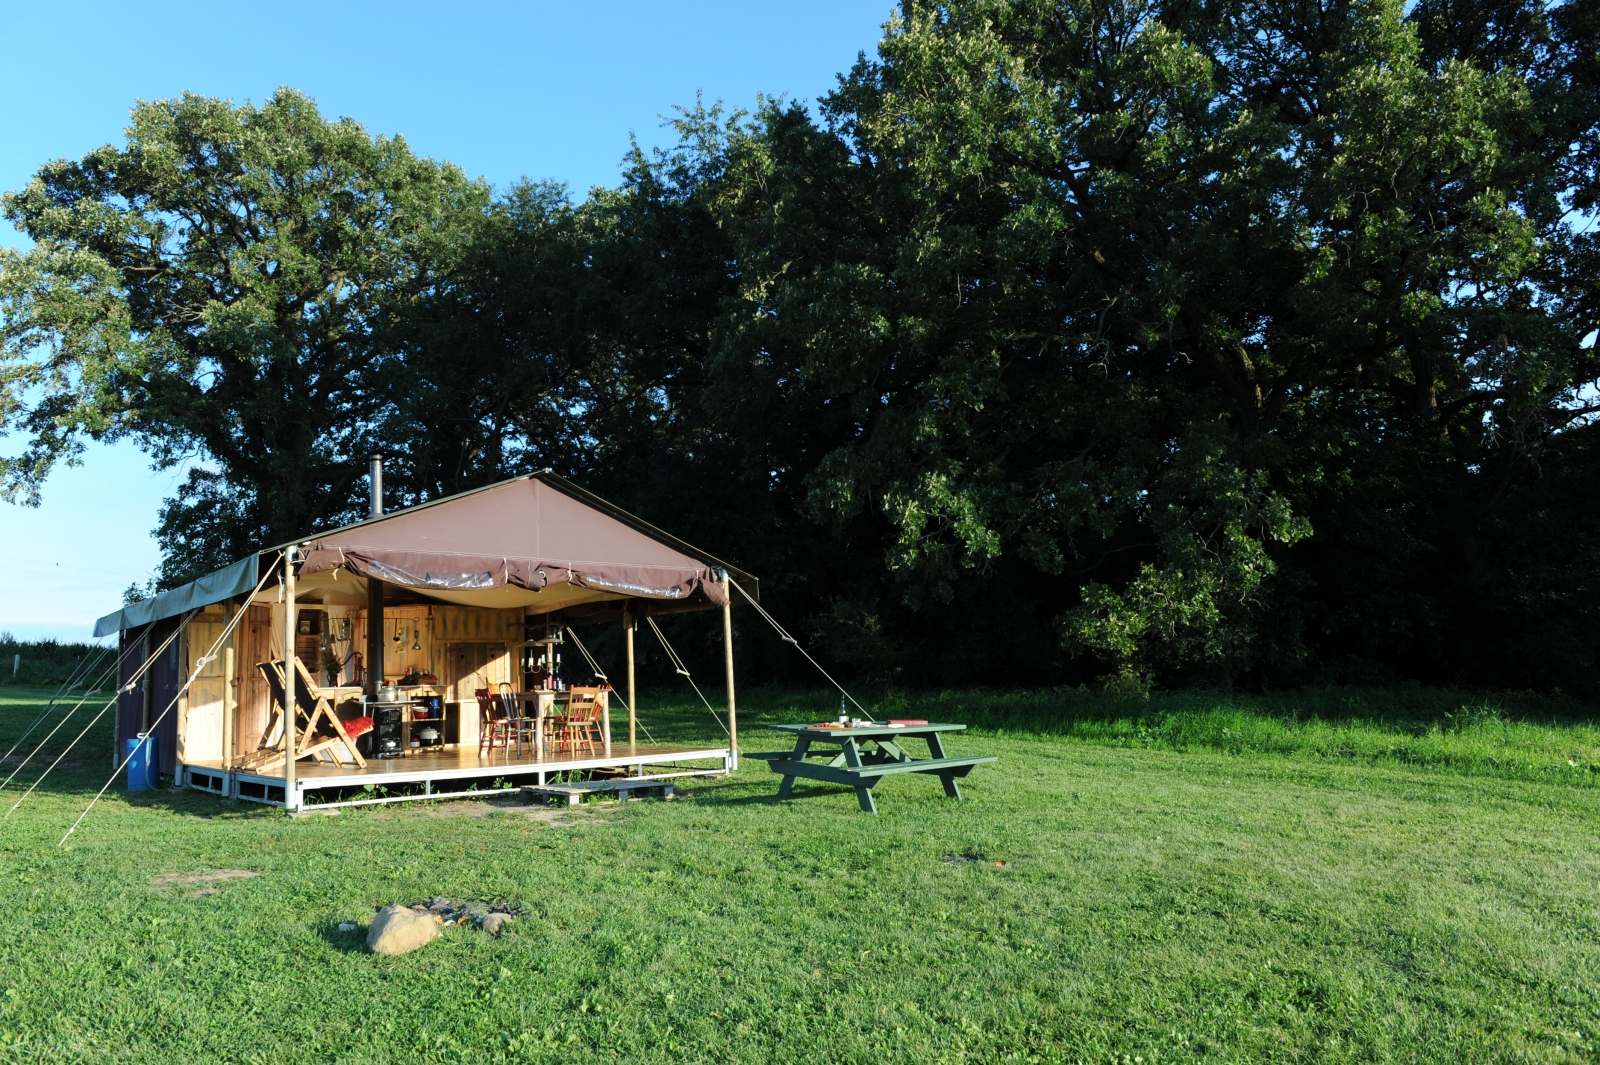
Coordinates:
866 754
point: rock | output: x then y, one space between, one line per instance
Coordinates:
400 930
347 926
492 923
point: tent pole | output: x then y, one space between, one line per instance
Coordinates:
727 654
627 633
116 728
230 705
144 685
291 719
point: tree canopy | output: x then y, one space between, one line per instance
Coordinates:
1227 342
218 289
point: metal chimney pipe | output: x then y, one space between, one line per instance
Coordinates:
375 644
375 473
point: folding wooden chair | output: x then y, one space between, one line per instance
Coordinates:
323 736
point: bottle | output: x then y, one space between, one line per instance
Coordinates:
844 715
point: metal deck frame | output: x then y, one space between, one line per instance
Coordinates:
268 788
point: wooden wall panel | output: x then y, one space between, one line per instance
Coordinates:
463 624
254 637
200 731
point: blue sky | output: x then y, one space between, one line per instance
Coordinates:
543 90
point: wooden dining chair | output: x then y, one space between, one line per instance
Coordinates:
555 724
582 725
513 706
497 729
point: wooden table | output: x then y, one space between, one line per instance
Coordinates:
542 701
862 767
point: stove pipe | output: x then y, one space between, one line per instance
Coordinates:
375 473
375 646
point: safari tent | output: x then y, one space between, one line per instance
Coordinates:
433 633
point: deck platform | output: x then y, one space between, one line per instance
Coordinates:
455 772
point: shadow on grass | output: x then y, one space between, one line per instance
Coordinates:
198 804
344 942
79 785
1513 735
1516 735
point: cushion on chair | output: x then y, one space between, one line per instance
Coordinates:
357 725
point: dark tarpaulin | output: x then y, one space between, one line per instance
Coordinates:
165 678
214 587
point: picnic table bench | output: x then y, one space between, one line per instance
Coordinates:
866 754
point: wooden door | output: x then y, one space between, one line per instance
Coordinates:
255 700
468 669
473 666
200 729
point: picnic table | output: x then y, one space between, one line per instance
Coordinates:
866 754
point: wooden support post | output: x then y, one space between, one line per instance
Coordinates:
727 654
181 645
628 625
144 682
120 679
291 722
230 704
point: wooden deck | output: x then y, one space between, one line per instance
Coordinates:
443 773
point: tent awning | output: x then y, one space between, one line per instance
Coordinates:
537 542
532 533
214 587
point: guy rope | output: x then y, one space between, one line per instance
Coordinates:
92 689
677 664
84 666
594 665
791 640
126 688
194 674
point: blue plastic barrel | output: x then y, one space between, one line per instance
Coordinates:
142 764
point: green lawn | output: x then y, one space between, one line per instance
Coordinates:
1196 878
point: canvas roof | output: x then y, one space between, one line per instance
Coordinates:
538 542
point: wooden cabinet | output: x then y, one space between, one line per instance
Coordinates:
471 666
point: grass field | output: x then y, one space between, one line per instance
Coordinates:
1327 877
